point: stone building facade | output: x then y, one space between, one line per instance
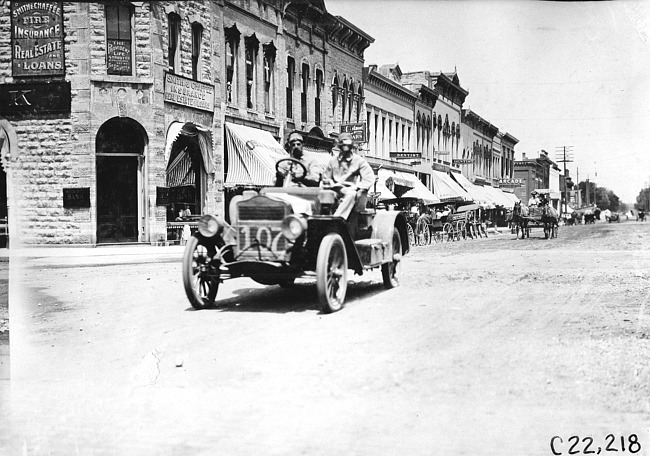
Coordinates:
114 121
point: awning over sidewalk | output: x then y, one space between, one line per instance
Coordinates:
446 189
251 155
512 197
499 197
320 156
475 192
416 189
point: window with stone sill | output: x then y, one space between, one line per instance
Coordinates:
251 50
197 38
291 72
269 77
173 38
119 42
317 99
232 48
304 89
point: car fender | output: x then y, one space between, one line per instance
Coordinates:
320 226
382 228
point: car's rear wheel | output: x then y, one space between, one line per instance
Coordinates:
200 274
390 271
331 273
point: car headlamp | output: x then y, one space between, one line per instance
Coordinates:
208 225
293 226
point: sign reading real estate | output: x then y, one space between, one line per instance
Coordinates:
406 155
511 182
187 92
37 38
357 130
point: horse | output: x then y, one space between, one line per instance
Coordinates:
641 216
550 219
520 220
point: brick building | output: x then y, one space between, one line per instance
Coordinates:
113 114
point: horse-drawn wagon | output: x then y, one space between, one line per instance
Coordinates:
544 217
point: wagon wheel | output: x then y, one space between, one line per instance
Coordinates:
331 273
462 230
457 231
447 232
411 234
436 237
424 237
200 274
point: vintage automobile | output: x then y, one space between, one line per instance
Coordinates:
278 234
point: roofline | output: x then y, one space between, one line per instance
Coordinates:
356 29
381 77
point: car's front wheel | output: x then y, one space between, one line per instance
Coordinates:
200 274
390 271
331 273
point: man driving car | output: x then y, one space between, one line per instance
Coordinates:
309 179
350 176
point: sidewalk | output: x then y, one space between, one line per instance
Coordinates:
94 255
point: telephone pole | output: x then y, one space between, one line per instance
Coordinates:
562 152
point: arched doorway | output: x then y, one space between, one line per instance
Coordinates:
120 147
189 159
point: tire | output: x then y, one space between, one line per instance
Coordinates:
331 273
200 275
436 237
390 271
447 232
411 234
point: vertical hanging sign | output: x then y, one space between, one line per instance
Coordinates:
37 38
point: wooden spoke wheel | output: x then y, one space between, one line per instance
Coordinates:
200 273
390 271
331 273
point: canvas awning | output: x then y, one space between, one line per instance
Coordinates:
446 189
252 155
322 157
416 189
475 192
499 197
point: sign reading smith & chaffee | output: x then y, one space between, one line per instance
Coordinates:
188 92
37 38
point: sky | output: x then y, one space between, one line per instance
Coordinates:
552 74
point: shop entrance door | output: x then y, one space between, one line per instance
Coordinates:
121 212
117 199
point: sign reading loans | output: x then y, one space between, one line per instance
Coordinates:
37 39
187 92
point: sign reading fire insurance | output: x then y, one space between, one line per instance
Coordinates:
188 92
37 38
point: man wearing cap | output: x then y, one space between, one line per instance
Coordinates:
294 147
350 176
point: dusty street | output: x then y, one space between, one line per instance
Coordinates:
488 347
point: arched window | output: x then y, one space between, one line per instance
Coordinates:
269 77
335 94
197 37
317 99
173 37
359 100
350 101
252 45
344 100
291 71
304 77
417 133
232 49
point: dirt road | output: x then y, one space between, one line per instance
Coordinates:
488 347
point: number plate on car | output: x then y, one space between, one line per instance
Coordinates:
261 241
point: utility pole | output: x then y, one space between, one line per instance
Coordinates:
562 151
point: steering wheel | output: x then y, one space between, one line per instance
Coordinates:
293 167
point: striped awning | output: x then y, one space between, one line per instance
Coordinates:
252 155
476 192
322 157
445 188
416 189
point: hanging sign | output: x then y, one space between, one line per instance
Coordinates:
37 38
357 130
406 155
462 161
188 92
